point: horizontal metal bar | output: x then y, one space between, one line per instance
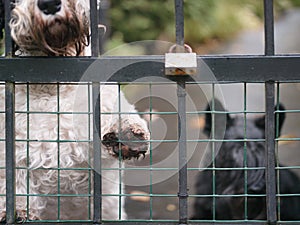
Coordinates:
160 168
154 223
104 223
228 223
129 69
59 222
151 113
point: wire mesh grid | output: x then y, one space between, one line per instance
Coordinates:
52 164
29 114
225 197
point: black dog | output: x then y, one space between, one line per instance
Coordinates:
232 182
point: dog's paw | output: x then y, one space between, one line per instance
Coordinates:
21 217
131 142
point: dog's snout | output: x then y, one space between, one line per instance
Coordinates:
49 6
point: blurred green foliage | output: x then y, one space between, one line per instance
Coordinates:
205 20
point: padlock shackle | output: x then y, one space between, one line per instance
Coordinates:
185 48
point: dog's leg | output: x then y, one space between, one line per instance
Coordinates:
22 212
26 210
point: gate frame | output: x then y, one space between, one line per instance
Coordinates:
269 69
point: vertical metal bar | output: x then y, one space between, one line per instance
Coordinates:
269 27
58 155
245 155
90 119
120 154
183 194
94 14
27 146
213 152
97 154
8 39
277 134
104 31
10 151
179 17
151 153
270 153
181 95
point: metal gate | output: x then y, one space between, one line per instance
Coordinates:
269 69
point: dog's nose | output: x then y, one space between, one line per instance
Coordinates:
49 6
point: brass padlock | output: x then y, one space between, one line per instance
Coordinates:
181 63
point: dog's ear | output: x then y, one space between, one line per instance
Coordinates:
279 120
221 119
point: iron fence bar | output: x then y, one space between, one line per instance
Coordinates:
97 154
277 135
10 151
103 14
270 153
8 39
227 223
183 193
224 68
107 223
245 160
179 18
132 222
213 152
152 223
269 27
94 17
90 153
151 152
182 136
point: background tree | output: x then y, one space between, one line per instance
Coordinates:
206 21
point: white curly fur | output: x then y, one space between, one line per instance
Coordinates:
30 28
37 148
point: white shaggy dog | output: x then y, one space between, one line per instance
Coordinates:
53 151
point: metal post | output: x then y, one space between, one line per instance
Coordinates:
270 154
181 95
269 27
103 20
97 155
179 17
183 194
94 16
8 39
10 151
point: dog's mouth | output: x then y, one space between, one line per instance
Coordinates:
132 146
54 28
56 36
61 36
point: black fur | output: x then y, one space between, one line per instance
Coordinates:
232 182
